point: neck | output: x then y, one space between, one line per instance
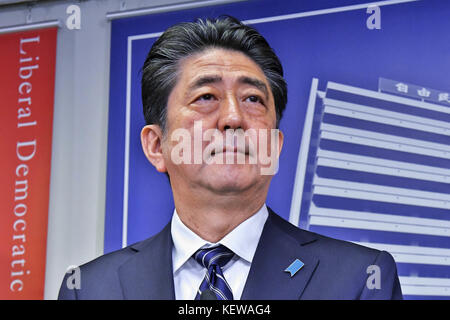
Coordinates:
212 217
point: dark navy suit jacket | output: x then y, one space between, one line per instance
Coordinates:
333 269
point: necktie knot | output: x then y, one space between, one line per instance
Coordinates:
219 256
213 259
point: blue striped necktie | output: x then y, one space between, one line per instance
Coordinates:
214 259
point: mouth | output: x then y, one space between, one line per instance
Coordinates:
231 149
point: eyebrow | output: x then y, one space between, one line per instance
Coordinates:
205 80
255 83
200 82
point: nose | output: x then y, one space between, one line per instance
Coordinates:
231 116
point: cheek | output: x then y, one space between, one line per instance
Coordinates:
189 119
262 119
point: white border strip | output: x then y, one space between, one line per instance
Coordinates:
197 4
325 11
127 146
166 8
31 26
145 36
123 14
297 193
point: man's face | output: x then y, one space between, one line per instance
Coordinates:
217 91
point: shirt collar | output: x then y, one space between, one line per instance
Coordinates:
242 240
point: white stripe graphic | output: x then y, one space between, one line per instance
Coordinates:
413 254
389 139
434 173
386 117
378 222
365 191
425 286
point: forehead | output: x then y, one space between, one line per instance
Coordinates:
220 62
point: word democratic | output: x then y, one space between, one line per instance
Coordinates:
25 152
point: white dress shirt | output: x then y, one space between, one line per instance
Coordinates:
188 274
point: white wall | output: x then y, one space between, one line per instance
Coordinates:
78 174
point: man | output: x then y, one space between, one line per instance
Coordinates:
223 242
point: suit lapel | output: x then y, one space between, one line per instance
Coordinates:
276 250
148 274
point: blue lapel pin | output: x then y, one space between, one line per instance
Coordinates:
294 267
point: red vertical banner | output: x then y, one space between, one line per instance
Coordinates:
27 79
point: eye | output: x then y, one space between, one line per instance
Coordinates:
254 99
206 97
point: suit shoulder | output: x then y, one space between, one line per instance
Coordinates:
343 267
338 244
113 260
100 277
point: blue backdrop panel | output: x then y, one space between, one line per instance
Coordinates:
413 46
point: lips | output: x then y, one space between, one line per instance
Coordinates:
233 149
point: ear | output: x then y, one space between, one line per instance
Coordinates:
151 138
280 142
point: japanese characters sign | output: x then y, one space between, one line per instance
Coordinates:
414 91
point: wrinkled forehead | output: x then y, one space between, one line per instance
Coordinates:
217 62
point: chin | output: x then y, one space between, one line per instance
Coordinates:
228 187
232 178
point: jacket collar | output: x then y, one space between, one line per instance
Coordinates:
148 274
280 245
